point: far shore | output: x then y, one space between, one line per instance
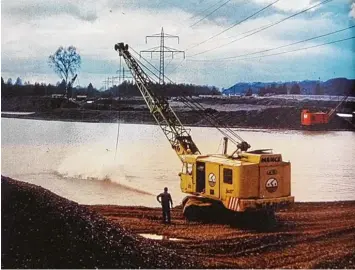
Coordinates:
236 112
272 119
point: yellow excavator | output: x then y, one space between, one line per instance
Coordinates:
241 182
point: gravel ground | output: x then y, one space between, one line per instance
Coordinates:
42 230
307 235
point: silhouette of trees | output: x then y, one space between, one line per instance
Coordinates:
318 90
249 92
273 89
9 81
283 89
65 62
18 81
295 89
128 88
90 87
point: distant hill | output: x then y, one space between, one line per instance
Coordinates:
336 86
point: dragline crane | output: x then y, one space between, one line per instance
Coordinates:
311 118
242 181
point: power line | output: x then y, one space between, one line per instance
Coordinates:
246 32
234 25
178 65
168 63
215 4
300 49
213 11
139 62
192 104
264 28
284 46
305 48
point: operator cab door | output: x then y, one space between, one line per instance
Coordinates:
213 179
200 177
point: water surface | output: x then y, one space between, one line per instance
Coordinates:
79 161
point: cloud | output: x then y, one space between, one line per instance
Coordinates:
352 11
289 6
30 36
36 9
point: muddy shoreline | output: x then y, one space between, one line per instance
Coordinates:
238 112
43 230
271 118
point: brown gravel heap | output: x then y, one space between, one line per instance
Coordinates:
42 230
307 235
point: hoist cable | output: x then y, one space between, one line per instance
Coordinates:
118 114
192 104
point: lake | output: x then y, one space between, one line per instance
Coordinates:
79 161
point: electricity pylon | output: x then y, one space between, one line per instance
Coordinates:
162 49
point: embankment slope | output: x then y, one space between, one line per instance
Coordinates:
42 230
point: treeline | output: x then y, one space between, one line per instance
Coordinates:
41 89
283 89
274 89
127 88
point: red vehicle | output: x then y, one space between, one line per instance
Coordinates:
309 118
314 118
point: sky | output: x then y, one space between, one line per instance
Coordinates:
31 30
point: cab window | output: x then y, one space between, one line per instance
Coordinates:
227 176
187 168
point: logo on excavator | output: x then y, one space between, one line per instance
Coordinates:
212 179
271 159
271 185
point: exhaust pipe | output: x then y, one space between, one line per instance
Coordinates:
225 145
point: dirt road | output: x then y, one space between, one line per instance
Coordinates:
308 235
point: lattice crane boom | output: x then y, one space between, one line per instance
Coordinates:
178 136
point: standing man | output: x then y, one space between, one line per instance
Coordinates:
165 200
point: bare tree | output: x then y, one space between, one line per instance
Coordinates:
65 62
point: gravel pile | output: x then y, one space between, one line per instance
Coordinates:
42 230
309 235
